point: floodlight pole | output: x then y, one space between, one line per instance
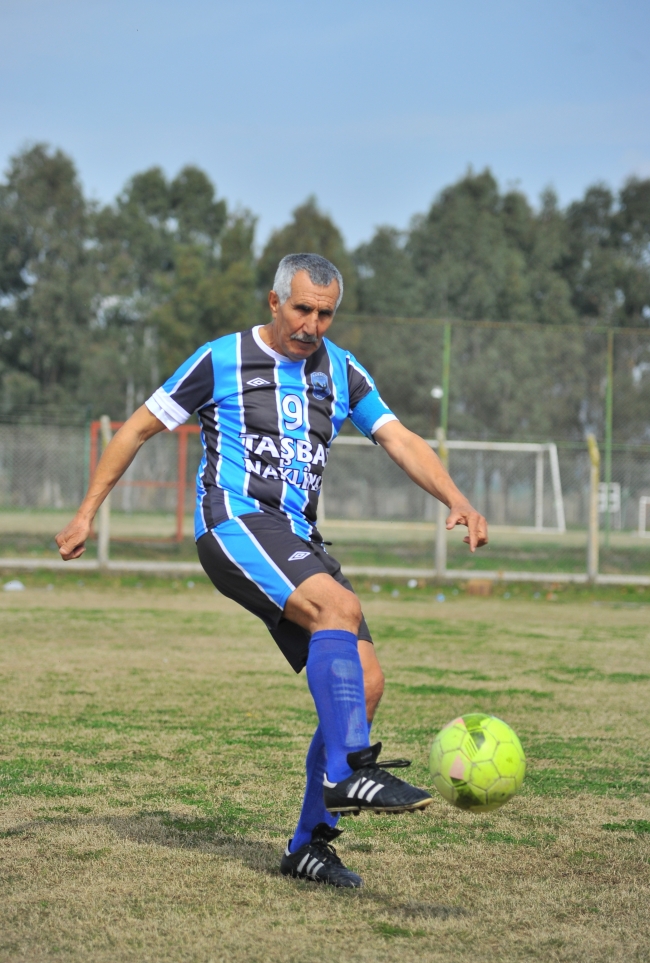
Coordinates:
87 447
441 514
104 524
446 365
441 435
592 536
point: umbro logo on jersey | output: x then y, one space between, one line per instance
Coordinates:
257 382
297 556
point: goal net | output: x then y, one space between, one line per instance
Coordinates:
514 484
45 470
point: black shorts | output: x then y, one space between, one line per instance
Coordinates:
257 560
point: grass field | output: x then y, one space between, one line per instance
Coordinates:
151 750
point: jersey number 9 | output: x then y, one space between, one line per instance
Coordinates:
292 411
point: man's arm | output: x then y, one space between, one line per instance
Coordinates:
117 457
423 466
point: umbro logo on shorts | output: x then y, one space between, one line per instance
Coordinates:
297 556
257 382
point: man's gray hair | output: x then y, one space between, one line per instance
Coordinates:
320 270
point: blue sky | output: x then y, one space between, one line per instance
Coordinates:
371 106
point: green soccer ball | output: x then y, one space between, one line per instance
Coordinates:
477 762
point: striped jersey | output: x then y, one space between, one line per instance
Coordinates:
267 424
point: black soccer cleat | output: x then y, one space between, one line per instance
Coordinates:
371 788
317 860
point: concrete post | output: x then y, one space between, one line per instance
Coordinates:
442 512
592 536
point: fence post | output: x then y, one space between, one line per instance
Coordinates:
104 527
592 536
609 408
182 472
441 514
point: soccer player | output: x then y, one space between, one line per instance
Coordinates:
270 401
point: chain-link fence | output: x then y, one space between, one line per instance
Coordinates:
494 383
508 381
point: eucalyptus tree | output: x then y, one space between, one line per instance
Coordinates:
46 281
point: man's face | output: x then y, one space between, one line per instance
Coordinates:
298 325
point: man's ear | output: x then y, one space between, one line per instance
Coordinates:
274 303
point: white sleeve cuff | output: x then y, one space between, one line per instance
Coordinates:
166 409
382 421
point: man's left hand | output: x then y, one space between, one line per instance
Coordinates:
464 514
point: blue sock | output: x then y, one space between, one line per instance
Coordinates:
313 809
335 680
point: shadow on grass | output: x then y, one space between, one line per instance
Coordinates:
207 835
411 910
167 829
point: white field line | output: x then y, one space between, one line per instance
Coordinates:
368 571
91 565
462 575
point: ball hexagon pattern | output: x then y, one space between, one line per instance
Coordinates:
477 762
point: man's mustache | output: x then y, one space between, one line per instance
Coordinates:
304 338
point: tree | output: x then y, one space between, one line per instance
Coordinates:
607 261
546 249
45 280
590 266
632 229
388 283
486 256
176 272
207 294
98 305
479 254
309 231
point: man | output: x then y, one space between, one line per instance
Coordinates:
270 401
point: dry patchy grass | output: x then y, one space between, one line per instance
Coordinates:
151 753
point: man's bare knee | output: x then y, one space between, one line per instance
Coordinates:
350 609
321 603
343 612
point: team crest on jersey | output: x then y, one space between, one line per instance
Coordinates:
321 385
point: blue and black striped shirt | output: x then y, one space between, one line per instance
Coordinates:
267 424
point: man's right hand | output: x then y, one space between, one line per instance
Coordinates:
71 540
117 457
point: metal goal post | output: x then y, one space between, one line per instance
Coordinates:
179 482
